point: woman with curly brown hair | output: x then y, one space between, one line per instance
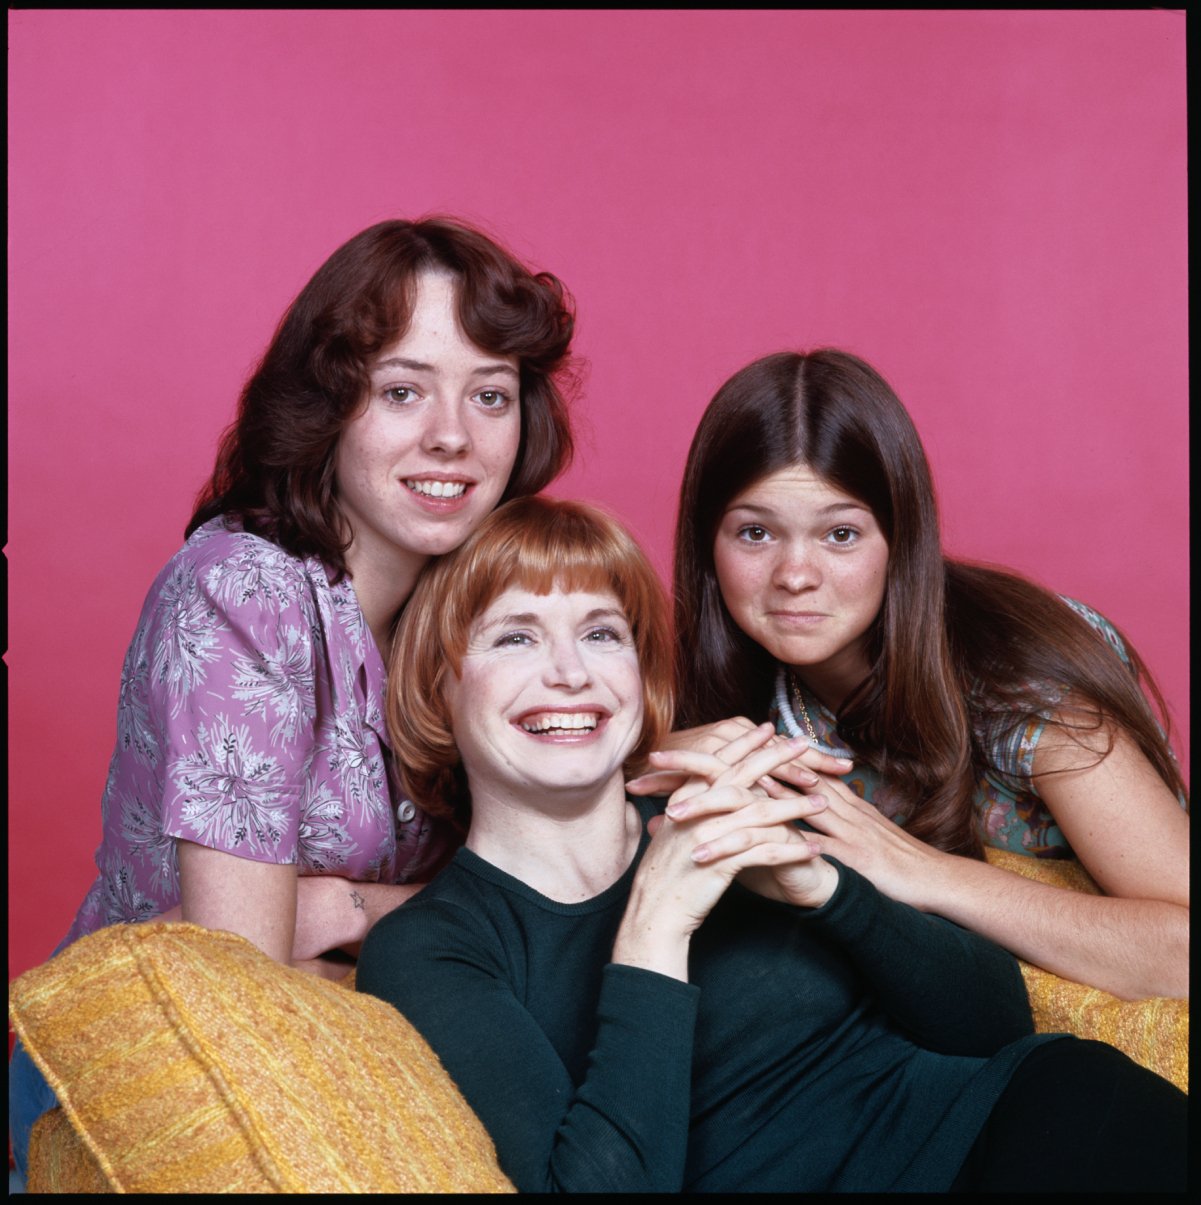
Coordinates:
413 384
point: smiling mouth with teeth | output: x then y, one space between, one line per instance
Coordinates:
438 489
561 722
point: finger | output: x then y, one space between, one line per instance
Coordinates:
770 846
761 760
765 761
823 763
729 808
746 743
659 782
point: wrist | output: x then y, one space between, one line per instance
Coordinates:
648 940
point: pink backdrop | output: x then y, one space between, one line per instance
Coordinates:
989 206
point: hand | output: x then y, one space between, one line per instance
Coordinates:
860 836
662 776
758 840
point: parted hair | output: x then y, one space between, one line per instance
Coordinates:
274 470
956 646
535 544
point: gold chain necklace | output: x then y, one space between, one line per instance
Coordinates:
800 705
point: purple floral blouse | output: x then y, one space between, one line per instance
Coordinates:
250 720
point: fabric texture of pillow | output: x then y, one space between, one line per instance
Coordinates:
1153 1032
188 1061
59 1162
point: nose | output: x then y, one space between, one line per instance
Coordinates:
796 570
446 432
565 666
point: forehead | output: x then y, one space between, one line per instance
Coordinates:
796 485
559 602
434 327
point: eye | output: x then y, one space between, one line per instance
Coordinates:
398 395
752 533
603 636
512 640
843 535
493 399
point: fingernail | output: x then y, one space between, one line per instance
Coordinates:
844 761
809 780
676 810
701 853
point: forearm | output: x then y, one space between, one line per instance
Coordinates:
953 990
336 914
1132 948
623 1127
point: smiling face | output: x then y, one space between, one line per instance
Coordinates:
802 568
430 453
548 699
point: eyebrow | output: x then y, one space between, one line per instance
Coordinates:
484 370
830 509
532 619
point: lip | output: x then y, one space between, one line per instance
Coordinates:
560 736
798 617
436 504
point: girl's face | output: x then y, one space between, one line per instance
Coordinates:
802 568
548 701
427 458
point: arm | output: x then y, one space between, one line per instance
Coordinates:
1129 833
951 989
292 918
623 1128
256 900
243 698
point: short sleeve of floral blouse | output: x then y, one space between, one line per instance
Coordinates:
231 686
1012 743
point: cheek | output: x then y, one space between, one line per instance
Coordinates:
353 454
498 441
737 578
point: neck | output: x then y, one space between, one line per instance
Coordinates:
382 586
568 847
834 680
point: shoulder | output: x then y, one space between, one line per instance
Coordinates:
446 921
234 570
1102 626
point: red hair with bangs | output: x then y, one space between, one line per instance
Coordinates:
536 544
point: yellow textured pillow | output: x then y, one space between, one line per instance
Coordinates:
59 1161
188 1061
1153 1032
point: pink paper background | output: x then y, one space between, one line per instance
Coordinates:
989 206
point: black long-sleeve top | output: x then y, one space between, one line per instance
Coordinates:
854 1047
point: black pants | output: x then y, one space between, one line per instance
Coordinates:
1080 1116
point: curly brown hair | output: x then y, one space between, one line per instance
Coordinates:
275 464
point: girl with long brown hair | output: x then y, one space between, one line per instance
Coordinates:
978 708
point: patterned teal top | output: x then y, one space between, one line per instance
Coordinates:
1009 812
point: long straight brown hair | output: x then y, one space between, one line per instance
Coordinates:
947 632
